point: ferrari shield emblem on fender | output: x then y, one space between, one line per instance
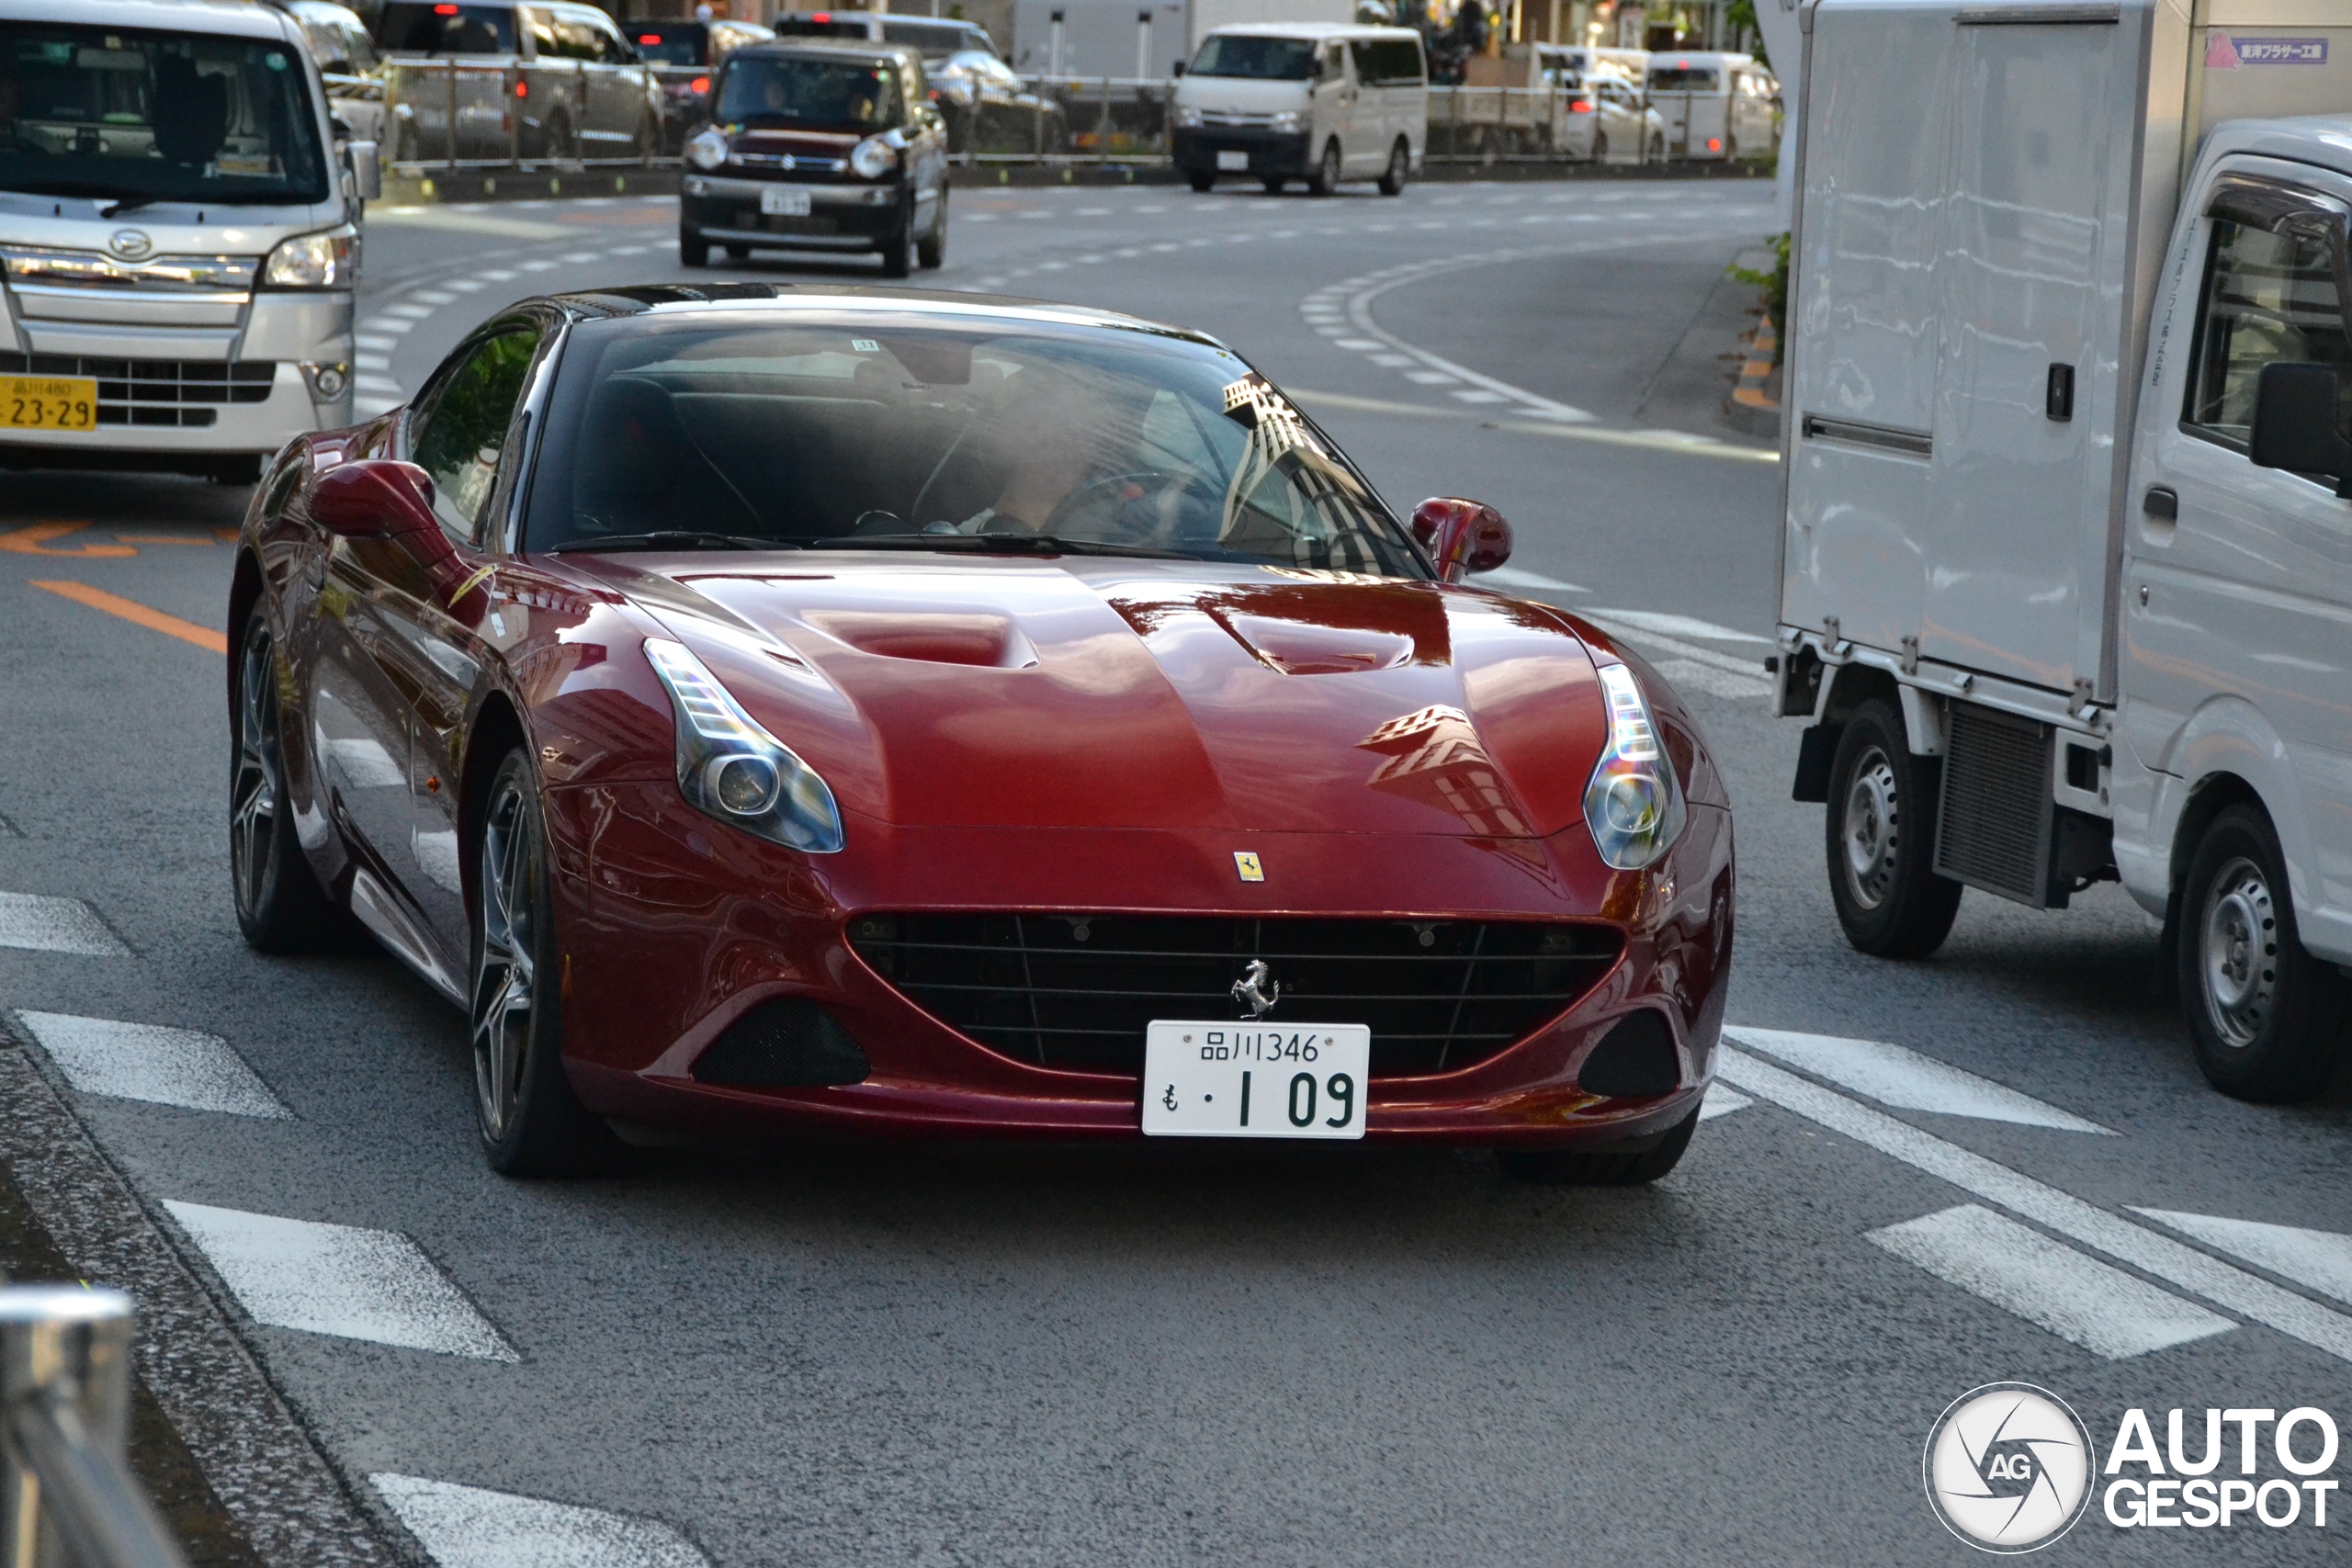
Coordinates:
1247 864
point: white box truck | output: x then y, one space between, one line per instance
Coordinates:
2066 585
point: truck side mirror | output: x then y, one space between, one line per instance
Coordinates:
367 170
2294 423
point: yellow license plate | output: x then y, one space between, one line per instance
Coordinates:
48 403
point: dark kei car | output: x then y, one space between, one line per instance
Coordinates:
851 710
818 147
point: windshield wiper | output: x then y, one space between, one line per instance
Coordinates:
673 539
127 203
1022 543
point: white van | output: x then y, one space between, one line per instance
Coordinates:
1715 105
179 235
1634 64
1321 102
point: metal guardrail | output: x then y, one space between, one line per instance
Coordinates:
458 114
67 1498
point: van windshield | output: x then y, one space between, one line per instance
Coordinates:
807 95
412 26
136 115
1673 79
1264 58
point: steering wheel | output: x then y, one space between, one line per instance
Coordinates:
1142 506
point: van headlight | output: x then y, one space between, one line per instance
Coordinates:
1288 123
1634 806
707 150
329 260
872 158
1187 118
730 768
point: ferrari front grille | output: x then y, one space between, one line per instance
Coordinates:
1073 991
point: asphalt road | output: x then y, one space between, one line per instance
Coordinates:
1364 1356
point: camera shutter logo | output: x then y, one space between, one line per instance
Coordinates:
2008 1467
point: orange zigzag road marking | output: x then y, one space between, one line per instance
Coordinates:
139 614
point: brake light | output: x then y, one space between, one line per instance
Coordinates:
1581 106
445 10
822 19
700 83
1714 143
522 89
649 38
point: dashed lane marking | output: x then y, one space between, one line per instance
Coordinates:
1907 1080
469 1527
1721 1101
38 924
148 1062
137 614
2320 1260
2176 1263
2094 1304
338 1279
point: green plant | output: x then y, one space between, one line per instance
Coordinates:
1775 285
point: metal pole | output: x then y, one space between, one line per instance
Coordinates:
1054 46
453 114
1143 46
66 1496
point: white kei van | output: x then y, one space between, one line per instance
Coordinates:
1321 102
179 234
1715 105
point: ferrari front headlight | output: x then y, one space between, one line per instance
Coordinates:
872 158
327 260
730 768
707 150
1633 804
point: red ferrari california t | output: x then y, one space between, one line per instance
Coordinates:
827 709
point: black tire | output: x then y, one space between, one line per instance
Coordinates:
1578 1168
281 907
530 1120
1201 180
1880 832
738 252
1401 165
1273 184
2268 1018
898 246
931 251
1325 180
693 249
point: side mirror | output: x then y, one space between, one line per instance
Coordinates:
1178 69
2294 423
1461 536
374 499
367 170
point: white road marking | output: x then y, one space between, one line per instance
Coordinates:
395 325
40 924
370 362
148 1062
339 1280
2320 1259
365 339
469 1527
1721 1101
1430 378
466 285
2232 1289
2096 1305
1393 361
383 383
1478 397
413 312
503 274
581 258
1359 345
1678 625
433 296
1893 1076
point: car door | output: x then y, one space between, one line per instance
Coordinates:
438 634
2243 600
1331 105
616 92
1372 127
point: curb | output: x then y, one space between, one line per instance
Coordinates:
525 185
1755 403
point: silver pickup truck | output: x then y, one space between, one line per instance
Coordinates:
180 238
494 82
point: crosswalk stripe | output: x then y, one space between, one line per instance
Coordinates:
2094 1304
471 1527
2232 1289
2320 1259
41 924
338 1279
148 1062
1893 1076
1721 1101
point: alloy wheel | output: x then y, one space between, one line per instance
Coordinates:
1873 816
252 786
506 891
2239 944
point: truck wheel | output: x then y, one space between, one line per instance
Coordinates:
1400 164
2266 1017
1881 827
1273 184
1201 180
1325 180
1578 1168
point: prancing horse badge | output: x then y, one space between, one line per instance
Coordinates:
1247 864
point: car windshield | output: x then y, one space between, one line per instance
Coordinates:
1266 59
669 43
896 428
412 27
1683 79
125 115
808 95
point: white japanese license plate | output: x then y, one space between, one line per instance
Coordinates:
1254 1080
1236 160
776 203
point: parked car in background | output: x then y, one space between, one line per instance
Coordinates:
553 80
1314 101
683 55
990 109
347 63
1634 64
1597 113
819 146
934 38
1715 105
180 238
